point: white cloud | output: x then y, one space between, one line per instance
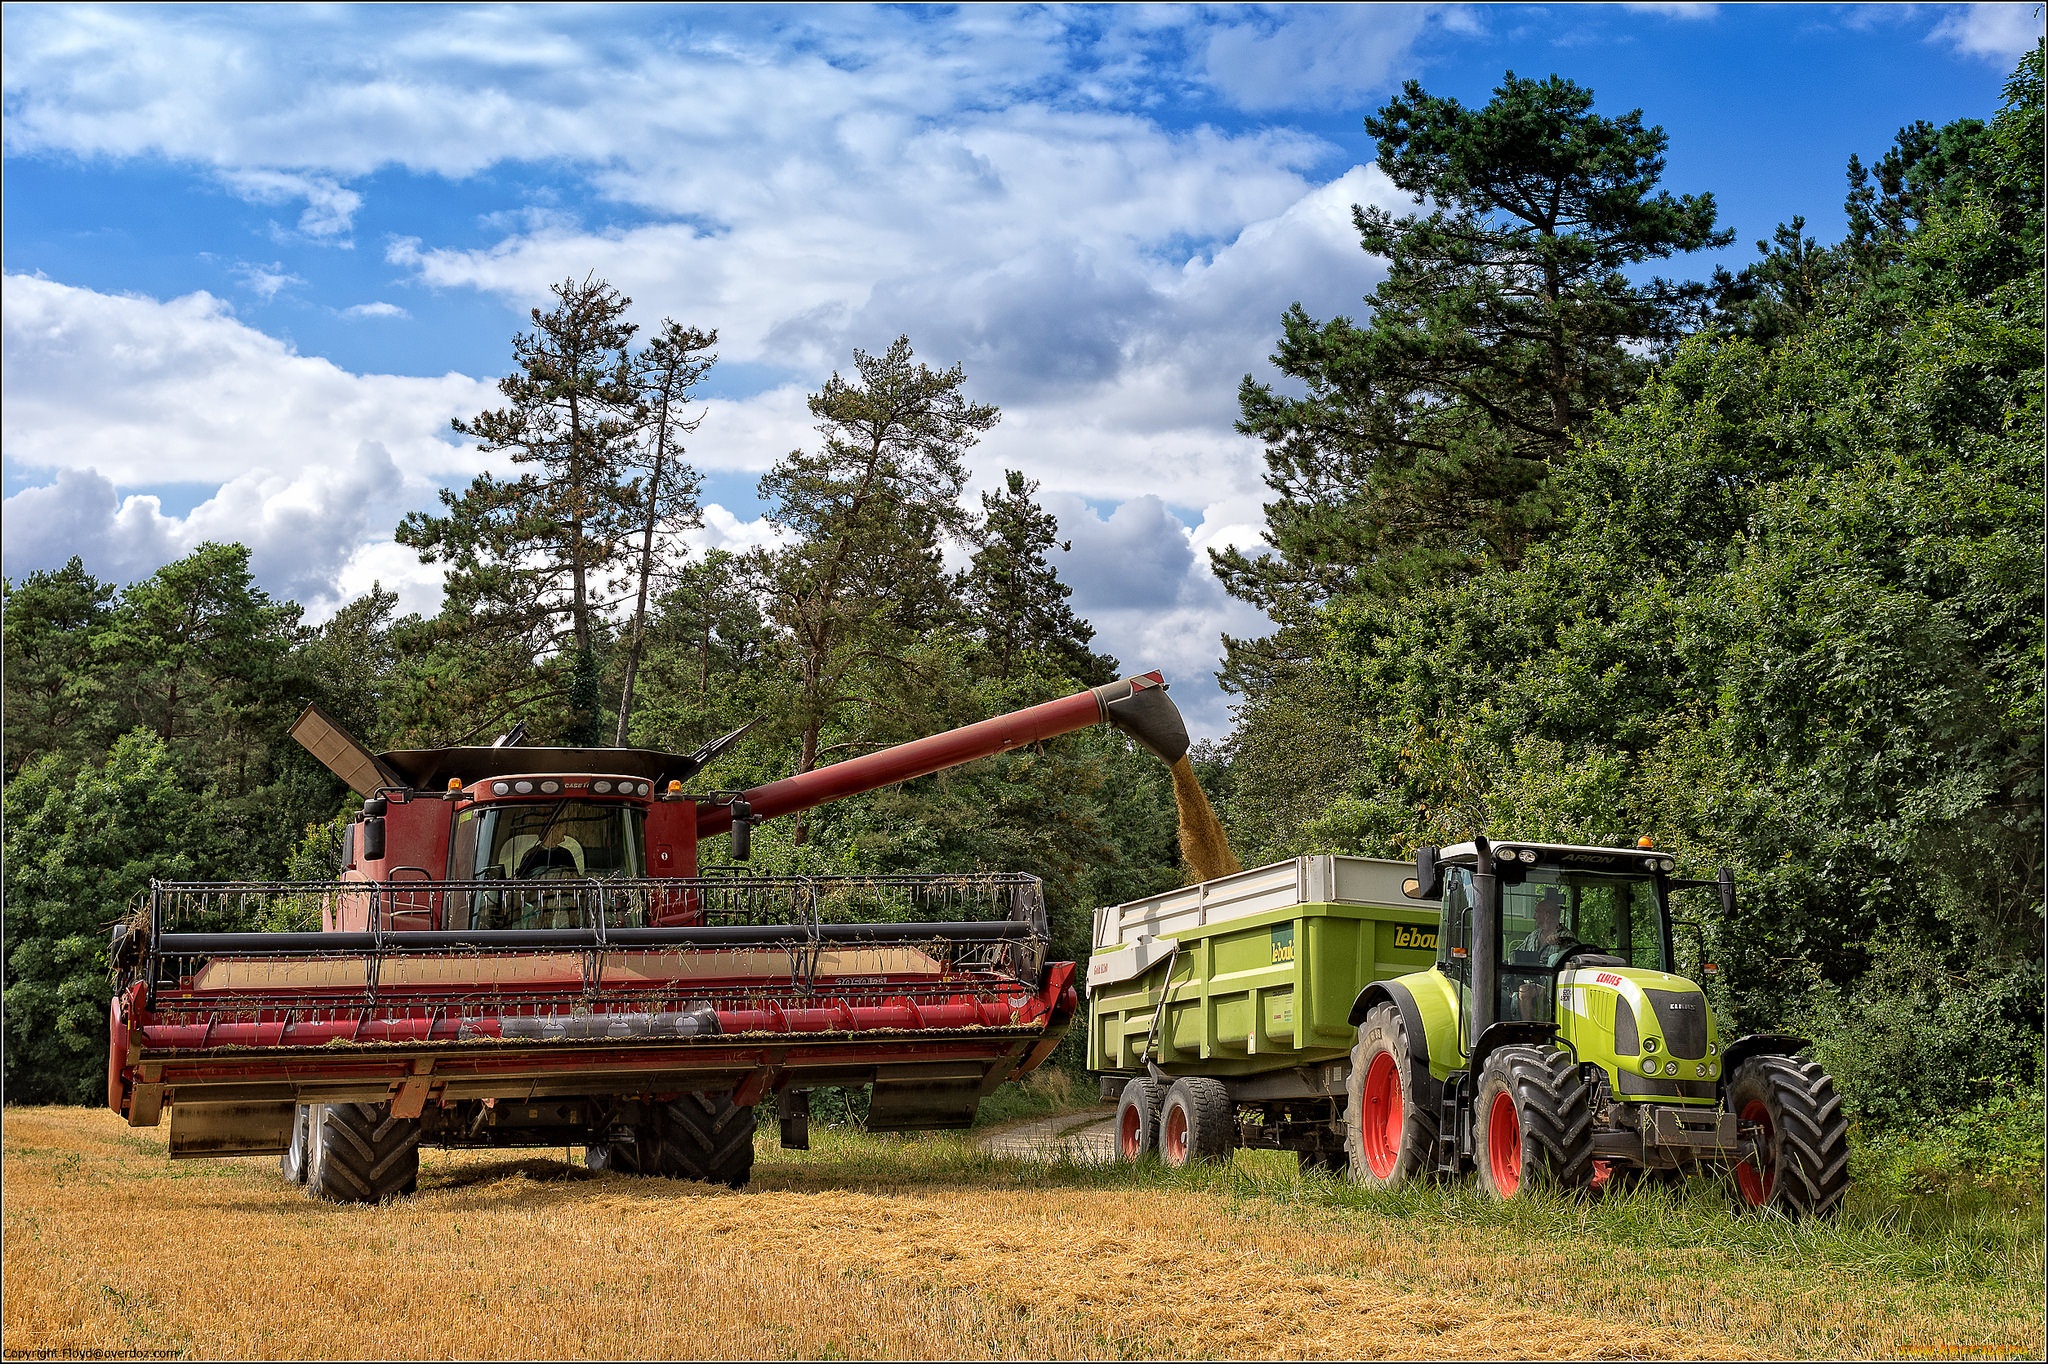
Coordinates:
330 209
1294 57
1675 10
1998 32
149 392
265 281
378 309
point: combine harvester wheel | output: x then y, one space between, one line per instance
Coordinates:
707 1137
359 1153
1803 1137
1197 1123
293 1161
1535 1123
1391 1132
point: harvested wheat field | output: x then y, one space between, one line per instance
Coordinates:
928 1248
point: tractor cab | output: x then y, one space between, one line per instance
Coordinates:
1561 908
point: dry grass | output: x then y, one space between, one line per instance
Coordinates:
917 1248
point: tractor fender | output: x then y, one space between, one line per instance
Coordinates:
1395 993
1510 1034
1759 1044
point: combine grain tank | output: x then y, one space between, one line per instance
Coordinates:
524 950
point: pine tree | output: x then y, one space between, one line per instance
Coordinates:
1015 595
531 555
1504 325
671 365
866 512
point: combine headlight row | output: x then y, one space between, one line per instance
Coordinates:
550 787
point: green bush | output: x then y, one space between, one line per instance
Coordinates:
1995 1147
1914 1041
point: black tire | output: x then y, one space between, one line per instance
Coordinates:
293 1162
1390 1129
707 1137
1136 1134
1805 1149
1197 1123
359 1153
1532 1123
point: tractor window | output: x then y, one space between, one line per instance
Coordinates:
1554 914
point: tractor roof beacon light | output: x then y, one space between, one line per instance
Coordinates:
1646 842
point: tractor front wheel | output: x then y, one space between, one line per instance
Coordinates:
1532 1123
1137 1119
1390 1123
1197 1124
1799 1163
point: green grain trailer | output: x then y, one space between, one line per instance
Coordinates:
1246 982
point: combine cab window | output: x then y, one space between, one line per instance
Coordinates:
528 845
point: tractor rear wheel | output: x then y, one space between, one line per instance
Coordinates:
707 1137
1801 1162
1533 1123
1197 1123
1390 1128
1137 1119
293 1161
359 1153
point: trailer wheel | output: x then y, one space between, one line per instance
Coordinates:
707 1137
1803 1169
1197 1122
359 1153
1533 1123
1137 1119
293 1161
1390 1129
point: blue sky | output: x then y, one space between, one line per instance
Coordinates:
256 258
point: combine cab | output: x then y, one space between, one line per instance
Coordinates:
523 950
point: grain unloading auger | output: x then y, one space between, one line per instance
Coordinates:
522 950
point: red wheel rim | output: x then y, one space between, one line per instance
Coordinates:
1504 1145
1379 1119
1176 1135
1756 1184
1130 1133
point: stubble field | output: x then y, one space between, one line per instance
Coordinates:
872 1246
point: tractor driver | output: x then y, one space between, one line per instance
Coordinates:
1547 944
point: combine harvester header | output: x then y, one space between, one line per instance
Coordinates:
523 949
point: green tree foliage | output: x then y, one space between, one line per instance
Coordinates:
530 556
675 362
1788 619
53 704
1505 324
81 847
860 578
1014 595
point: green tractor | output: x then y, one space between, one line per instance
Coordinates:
1552 1043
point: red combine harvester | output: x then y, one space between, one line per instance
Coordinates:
522 950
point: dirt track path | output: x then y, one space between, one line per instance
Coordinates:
1085 1136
